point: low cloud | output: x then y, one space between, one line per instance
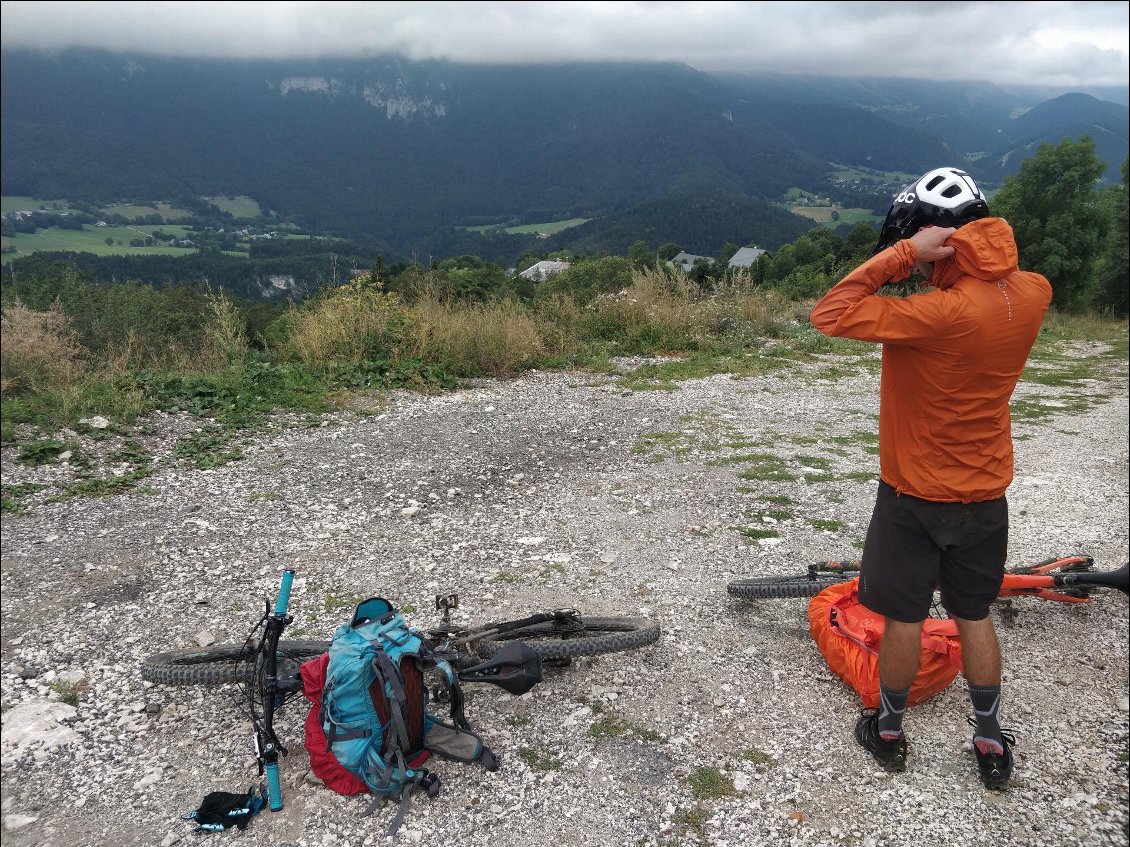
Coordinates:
1050 43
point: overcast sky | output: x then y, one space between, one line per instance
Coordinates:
1044 43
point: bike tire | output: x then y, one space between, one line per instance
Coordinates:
222 663
550 641
774 587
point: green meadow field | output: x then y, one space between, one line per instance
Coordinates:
823 214
129 210
16 203
238 207
93 240
551 228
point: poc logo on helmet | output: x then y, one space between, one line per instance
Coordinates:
906 197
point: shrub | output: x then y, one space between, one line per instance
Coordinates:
473 338
589 278
558 320
39 351
225 336
657 312
354 323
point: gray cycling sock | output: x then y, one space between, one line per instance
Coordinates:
986 700
892 706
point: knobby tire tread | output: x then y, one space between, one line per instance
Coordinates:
774 587
221 663
600 635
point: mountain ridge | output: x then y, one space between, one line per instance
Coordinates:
394 150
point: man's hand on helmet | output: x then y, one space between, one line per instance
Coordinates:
930 242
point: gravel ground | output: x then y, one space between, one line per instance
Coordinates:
562 490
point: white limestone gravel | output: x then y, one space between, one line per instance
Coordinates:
561 489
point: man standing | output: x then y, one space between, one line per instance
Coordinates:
951 360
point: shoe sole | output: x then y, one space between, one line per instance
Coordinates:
894 767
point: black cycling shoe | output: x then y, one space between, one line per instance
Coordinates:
890 754
996 769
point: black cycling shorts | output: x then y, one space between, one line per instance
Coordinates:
915 546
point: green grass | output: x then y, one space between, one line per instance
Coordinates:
166 211
757 757
104 487
753 533
211 447
823 215
537 760
93 240
831 525
766 467
693 820
614 726
22 203
341 602
239 207
710 784
45 452
817 462
11 496
856 438
779 500
1041 410
847 172
67 692
666 375
551 228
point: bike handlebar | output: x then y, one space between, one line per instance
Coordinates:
283 600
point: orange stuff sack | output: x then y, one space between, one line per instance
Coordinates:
848 635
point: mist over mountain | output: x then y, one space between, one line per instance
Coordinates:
394 151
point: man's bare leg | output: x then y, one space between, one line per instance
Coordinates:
981 656
899 655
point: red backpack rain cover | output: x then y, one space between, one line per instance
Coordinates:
322 760
848 635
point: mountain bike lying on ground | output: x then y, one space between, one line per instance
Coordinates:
1067 579
848 634
509 654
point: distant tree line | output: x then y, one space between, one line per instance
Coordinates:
1066 228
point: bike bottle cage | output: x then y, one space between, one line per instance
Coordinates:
373 609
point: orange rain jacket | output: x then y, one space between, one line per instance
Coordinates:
951 359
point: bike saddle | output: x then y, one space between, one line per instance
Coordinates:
515 669
1119 579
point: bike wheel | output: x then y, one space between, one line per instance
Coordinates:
575 638
765 587
222 663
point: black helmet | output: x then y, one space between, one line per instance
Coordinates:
942 197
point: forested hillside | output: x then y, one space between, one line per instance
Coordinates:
403 153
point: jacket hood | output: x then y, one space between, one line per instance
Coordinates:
986 249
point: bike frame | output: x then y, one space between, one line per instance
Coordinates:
456 642
1063 579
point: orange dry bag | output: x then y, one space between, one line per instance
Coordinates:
848 635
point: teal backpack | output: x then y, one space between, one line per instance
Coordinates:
374 710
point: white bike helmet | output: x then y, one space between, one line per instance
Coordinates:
942 197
